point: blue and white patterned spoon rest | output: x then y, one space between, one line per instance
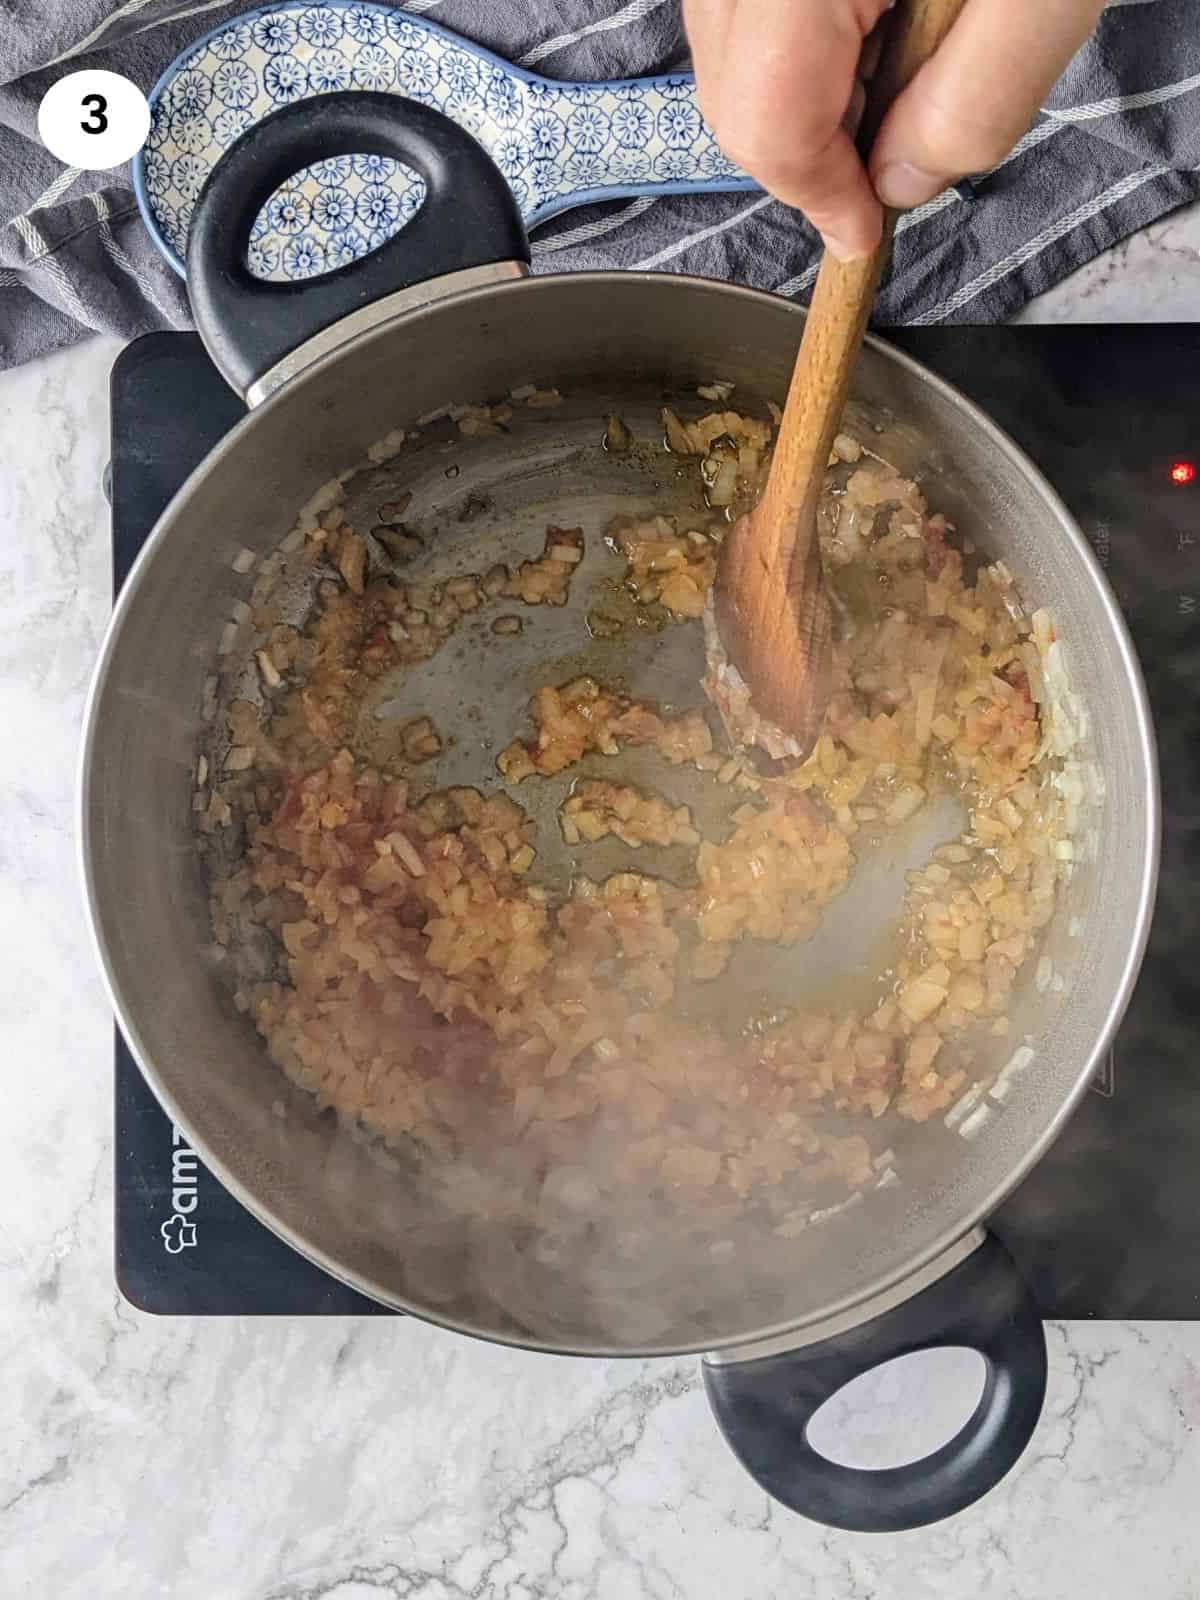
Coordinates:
558 144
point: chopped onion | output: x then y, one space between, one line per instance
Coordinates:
677 440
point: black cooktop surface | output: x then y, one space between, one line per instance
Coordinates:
1108 1224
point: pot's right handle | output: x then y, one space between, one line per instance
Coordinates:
764 1406
469 218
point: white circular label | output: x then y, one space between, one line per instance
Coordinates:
93 119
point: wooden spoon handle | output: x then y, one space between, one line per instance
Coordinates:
837 317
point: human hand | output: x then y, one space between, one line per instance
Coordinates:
781 85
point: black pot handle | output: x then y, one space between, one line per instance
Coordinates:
469 219
764 1406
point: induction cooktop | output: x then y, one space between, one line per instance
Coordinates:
1108 1223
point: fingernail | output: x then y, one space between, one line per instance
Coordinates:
902 185
839 248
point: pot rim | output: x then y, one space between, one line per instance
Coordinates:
1139 926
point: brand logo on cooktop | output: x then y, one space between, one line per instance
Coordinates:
179 1230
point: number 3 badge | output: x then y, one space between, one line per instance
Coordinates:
93 120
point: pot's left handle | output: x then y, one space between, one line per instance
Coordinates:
469 219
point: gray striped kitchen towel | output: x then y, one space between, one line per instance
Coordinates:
1117 145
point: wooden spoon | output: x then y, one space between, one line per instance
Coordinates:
772 610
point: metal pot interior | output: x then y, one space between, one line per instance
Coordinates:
619 343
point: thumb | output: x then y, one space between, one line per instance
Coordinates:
971 102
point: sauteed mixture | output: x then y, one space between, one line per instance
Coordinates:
555 1049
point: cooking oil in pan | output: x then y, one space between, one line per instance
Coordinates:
477 689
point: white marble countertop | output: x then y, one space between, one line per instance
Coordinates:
356 1460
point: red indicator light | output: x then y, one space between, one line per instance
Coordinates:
1183 472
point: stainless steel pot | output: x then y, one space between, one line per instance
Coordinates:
446 313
